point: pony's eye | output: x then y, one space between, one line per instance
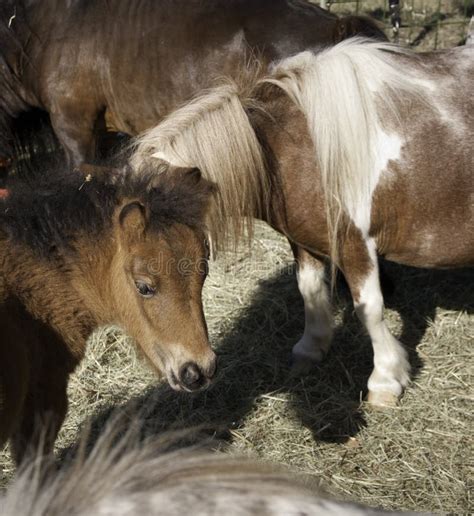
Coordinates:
144 289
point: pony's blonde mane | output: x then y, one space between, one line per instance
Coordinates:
213 133
343 91
346 93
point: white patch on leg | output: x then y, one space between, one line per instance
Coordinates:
317 336
391 367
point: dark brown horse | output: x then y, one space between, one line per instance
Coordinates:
122 65
79 252
360 151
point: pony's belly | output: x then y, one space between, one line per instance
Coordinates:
433 255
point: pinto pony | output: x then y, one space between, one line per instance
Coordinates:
362 150
79 252
126 477
122 65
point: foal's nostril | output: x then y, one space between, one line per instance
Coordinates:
190 375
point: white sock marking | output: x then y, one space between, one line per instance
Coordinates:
391 367
318 318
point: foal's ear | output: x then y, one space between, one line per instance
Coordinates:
132 220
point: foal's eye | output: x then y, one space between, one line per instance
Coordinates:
144 289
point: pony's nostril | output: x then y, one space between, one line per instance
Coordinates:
191 375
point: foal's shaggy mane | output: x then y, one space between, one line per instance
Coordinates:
47 212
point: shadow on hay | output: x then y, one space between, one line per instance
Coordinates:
254 360
418 296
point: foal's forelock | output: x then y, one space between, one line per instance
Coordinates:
214 133
343 91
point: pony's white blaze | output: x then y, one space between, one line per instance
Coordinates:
391 367
317 336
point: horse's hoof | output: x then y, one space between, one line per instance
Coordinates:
382 399
302 364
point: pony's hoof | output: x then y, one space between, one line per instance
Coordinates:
382 399
302 364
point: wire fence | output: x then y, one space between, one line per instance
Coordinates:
422 24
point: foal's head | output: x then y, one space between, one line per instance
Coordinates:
158 270
128 248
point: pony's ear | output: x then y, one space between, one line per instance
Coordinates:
173 174
191 175
183 176
132 220
193 178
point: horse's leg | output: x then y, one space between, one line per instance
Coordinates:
391 372
14 377
76 133
46 401
317 335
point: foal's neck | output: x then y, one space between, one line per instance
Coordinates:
51 291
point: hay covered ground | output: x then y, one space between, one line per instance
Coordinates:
418 456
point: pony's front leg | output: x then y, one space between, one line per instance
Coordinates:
391 372
46 401
317 336
43 416
75 132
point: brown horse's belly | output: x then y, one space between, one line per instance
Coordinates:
429 250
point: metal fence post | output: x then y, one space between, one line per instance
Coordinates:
394 6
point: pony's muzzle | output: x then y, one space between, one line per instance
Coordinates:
193 377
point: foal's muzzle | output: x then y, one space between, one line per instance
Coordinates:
192 377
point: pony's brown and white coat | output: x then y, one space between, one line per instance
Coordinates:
373 154
340 91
